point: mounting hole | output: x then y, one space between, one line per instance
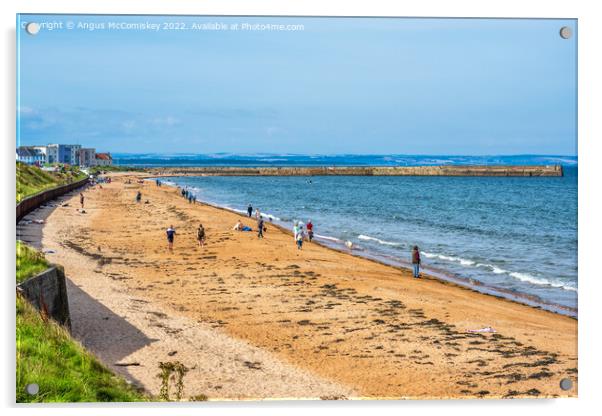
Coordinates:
566 32
566 384
32 389
32 28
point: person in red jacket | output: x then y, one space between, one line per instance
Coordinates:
416 261
310 230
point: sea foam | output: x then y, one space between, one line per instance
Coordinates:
379 241
523 277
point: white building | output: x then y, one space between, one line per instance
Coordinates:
87 157
104 159
43 150
29 155
63 153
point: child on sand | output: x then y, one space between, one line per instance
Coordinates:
300 236
171 232
81 199
416 261
138 196
200 235
260 228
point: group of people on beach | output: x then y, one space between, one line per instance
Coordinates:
261 228
259 217
299 233
171 233
188 195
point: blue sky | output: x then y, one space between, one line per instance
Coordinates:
375 86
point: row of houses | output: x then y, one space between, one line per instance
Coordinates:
71 154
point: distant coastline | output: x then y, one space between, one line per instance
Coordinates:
156 160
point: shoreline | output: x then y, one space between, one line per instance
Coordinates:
339 318
382 259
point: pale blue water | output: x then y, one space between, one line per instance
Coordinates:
515 234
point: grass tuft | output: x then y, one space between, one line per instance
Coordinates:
29 262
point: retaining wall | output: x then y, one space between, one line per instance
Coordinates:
552 170
34 201
47 291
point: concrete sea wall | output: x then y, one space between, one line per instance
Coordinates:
34 201
47 291
554 170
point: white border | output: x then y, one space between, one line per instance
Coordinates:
590 208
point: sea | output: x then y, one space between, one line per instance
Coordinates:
514 237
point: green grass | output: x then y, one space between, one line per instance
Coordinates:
29 262
31 179
49 357
60 366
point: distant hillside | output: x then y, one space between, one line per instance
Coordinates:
31 179
289 160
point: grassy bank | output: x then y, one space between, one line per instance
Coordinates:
50 358
29 262
31 179
60 366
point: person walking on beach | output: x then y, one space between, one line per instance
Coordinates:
250 210
310 231
81 199
171 232
138 196
299 238
200 235
295 231
416 261
260 228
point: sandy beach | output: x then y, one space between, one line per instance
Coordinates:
259 319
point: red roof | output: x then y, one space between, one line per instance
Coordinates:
104 156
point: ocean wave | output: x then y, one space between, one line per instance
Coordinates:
523 277
272 159
463 262
269 216
325 237
379 241
240 211
244 212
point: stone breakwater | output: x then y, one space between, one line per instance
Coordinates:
553 170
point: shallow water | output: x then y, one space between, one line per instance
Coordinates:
515 234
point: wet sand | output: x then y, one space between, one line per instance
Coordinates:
252 317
